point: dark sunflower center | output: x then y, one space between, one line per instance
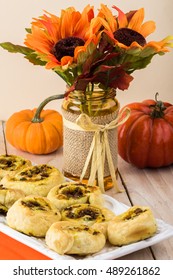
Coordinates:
127 36
66 46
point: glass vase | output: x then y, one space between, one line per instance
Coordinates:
102 108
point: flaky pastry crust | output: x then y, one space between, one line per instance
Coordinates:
137 223
72 238
32 215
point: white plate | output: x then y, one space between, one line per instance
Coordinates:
108 253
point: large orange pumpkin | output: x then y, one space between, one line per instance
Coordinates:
146 138
36 131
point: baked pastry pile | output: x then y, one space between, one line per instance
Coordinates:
70 216
19 178
9 166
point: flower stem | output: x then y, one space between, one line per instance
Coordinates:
37 118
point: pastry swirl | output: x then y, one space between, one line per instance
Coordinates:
36 180
68 238
69 193
88 214
11 164
137 223
32 215
8 197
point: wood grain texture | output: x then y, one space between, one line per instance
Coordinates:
151 187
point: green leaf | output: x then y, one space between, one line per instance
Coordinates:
34 59
28 30
140 63
147 52
65 75
82 57
15 48
29 53
90 48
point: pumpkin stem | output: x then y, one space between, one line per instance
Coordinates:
37 118
158 108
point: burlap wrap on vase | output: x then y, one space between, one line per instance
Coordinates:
77 144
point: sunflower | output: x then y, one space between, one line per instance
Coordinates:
59 40
129 32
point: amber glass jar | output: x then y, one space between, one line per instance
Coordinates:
92 102
102 107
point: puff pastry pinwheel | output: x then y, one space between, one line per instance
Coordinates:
70 193
11 164
36 180
88 214
32 215
137 223
68 238
8 197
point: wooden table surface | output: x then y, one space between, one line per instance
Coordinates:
149 187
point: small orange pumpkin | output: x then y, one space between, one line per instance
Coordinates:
36 131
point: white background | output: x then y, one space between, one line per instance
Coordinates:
23 85
101 266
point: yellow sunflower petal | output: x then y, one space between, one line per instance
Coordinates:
38 41
94 28
68 17
106 13
167 41
66 60
89 10
52 27
52 62
133 46
85 19
160 46
147 28
136 20
103 23
50 23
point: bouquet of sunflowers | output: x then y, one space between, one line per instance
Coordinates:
85 49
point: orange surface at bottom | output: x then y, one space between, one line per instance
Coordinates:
11 249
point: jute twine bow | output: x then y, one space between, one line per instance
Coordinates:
99 148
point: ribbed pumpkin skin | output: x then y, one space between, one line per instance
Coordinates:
36 138
145 141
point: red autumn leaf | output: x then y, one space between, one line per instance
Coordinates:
113 76
109 76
